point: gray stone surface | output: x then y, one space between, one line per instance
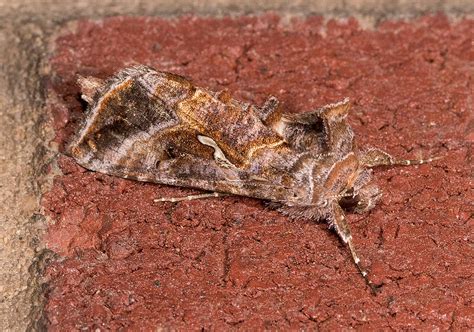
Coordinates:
26 29
380 8
21 151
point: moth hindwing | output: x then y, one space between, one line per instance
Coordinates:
155 126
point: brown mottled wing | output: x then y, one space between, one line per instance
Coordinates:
144 125
325 129
239 132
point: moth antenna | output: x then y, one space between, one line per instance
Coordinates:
189 197
89 87
375 157
410 162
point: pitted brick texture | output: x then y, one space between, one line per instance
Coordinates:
232 262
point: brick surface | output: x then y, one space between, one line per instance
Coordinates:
232 263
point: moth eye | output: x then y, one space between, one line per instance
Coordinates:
324 203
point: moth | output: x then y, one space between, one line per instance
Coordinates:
155 126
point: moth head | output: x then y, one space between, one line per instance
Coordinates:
346 184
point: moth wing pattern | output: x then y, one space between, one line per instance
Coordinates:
322 130
134 130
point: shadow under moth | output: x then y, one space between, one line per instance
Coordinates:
158 127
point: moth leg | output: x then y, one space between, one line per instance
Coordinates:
190 197
375 157
343 230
